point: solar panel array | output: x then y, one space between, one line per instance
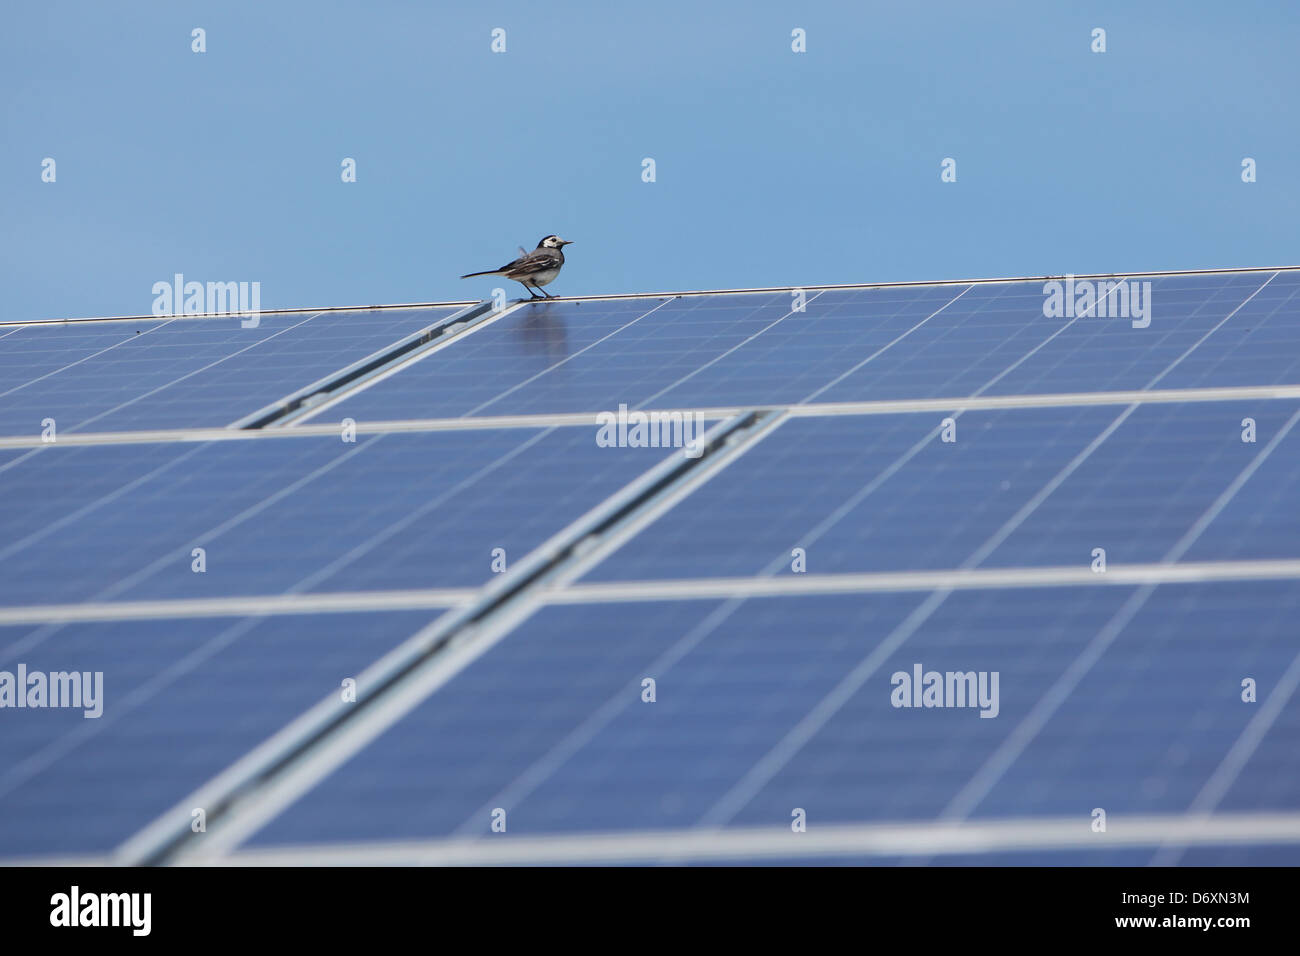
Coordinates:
376 586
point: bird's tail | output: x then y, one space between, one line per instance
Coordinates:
490 272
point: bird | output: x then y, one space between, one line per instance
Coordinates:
533 269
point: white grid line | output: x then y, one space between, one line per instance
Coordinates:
894 838
888 406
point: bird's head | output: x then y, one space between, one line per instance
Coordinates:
553 242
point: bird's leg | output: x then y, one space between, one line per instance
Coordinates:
545 293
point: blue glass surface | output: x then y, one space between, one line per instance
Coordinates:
181 701
28 352
116 376
1260 345
1276 855
559 736
405 510
550 724
871 493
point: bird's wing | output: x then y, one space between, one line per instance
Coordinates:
538 260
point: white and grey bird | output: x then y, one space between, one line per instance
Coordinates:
533 269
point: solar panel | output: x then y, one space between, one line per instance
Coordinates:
882 492
33 351
1079 522
388 511
845 345
183 372
181 701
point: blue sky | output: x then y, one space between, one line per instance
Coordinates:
773 168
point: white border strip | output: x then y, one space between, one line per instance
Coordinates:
889 839
670 589
1236 393
796 585
239 606
756 843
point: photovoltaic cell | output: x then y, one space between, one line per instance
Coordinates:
182 700
1155 716
1160 472
118 376
29 352
996 340
1260 345
389 511
886 493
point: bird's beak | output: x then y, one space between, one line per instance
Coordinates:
566 242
